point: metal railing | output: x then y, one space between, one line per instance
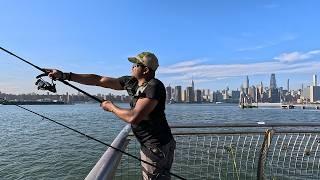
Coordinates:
236 151
107 164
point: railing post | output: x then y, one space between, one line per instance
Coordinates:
107 165
263 153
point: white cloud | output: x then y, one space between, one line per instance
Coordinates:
186 70
187 63
297 56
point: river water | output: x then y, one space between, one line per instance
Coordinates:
33 148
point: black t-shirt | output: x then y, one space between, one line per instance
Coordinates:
155 131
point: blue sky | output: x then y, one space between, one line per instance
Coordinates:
217 43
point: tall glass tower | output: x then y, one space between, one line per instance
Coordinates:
246 83
273 83
177 94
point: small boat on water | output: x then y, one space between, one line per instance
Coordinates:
289 106
242 106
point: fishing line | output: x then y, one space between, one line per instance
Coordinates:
72 129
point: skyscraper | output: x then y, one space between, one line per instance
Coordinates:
274 96
315 83
273 82
235 96
246 86
184 96
253 92
198 96
246 83
177 94
288 85
168 90
189 95
260 92
192 85
314 93
314 90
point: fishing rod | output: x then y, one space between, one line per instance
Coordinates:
72 129
45 72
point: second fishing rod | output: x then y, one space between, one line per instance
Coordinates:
51 87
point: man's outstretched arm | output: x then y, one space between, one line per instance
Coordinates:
96 80
141 111
87 79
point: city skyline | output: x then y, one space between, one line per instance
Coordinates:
245 80
214 43
247 94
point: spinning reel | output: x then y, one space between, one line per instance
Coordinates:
44 85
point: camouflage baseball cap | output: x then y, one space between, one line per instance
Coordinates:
146 58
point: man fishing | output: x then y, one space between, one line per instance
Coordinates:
146 115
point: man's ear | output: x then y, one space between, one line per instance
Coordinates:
146 70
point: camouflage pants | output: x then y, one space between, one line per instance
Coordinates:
162 157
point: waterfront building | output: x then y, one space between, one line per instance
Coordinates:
213 97
314 93
207 92
192 85
314 90
274 95
225 94
184 95
282 94
305 94
192 92
177 94
217 96
246 86
252 92
168 92
206 97
273 82
198 96
315 83
189 95
172 93
235 95
259 93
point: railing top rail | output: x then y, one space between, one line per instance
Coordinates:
258 124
